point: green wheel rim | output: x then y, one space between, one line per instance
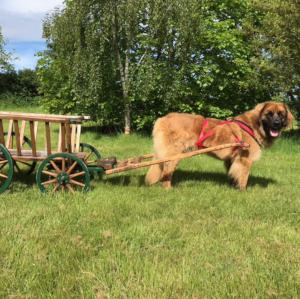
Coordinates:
64 172
92 154
29 165
6 161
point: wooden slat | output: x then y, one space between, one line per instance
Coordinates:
41 117
73 135
40 155
177 157
78 138
36 125
63 137
17 135
48 138
22 133
32 136
68 138
9 137
59 140
2 140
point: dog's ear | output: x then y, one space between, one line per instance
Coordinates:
260 107
259 110
289 116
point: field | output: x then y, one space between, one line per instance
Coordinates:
123 239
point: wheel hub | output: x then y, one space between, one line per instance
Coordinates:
63 178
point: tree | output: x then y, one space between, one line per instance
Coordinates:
90 55
279 41
145 58
5 57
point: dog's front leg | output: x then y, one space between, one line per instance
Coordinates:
239 171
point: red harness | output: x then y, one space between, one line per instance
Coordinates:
203 136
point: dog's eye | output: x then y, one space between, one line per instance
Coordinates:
270 114
280 114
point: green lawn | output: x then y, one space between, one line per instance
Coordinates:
123 239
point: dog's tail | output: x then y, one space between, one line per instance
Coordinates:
154 174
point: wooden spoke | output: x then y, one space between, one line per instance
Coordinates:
63 163
49 173
72 167
3 162
49 182
55 166
74 175
55 188
88 155
77 183
70 188
90 162
58 172
2 166
3 176
17 166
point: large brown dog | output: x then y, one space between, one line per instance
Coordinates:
179 132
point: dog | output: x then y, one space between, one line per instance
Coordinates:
177 133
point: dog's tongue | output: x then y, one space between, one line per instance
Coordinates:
274 133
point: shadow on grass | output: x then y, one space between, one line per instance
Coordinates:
218 178
181 176
30 180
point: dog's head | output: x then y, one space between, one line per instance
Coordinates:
273 117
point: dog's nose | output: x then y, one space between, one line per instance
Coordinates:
276 122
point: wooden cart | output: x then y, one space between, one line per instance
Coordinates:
67 164
64 164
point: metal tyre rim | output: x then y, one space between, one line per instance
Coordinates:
62 172
6 168
92 154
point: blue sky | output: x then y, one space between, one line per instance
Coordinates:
21 26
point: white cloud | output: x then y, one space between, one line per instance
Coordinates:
22 20
29 6
21 24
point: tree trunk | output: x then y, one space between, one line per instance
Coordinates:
124 72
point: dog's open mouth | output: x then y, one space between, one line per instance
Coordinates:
274 133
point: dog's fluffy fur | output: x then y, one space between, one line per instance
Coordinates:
178 132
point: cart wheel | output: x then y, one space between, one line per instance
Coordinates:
91 154
26 167
6 168
62 171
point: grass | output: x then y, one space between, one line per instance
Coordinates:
123 239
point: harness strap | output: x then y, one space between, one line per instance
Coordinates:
248 129
203 136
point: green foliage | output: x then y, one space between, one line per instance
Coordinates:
152 57
19 88
279 37
17 101
5 57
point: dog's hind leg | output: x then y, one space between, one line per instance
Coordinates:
168 170
154 174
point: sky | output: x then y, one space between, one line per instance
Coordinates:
21 27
